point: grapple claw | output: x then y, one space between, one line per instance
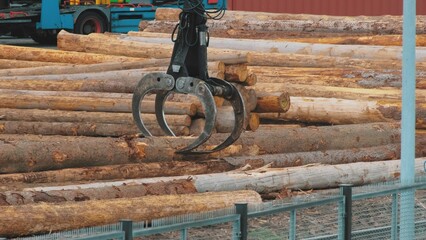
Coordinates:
237 104
152 82
160 99
199 88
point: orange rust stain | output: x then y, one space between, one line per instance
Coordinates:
140 149
59 157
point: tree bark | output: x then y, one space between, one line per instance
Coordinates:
46 217
29 153
84 129
57 56
99 192
328 157
172 14
114 172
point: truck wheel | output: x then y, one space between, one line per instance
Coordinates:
45 36
90 22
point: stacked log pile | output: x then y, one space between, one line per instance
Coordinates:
322 96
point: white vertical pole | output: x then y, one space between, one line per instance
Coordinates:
408 117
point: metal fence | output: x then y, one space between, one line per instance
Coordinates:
368 212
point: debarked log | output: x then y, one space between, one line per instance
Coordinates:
343 111
36 115
6 65
33 100
272 102
57 56
47 217
96 43
43 68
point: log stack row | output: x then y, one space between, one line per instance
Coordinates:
323 101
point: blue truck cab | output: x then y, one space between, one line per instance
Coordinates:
43 19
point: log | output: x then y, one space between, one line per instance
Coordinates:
28 196
272 102
47 217
44 68
251 79
328 157
84 129
36 115
288 27
6 65
236 73
113 172
338 111
172 14
32 99
302 60
270 46
30 153
306 177
226 120
57 56
305 90
265 180
75 42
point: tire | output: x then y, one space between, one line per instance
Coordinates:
45 37
90 22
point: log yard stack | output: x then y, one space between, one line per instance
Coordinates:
323 102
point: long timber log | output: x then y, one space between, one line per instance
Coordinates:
26 153
264 180
84 102
111 172
84 129
7 64
47 217
36 115
328 157
43 68
57 56
95 43
343 111
268 46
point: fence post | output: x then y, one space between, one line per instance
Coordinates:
292 230
241 209
394 226
127 228
346 191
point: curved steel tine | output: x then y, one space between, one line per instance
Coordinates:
150 82
160 100
240 115
199 88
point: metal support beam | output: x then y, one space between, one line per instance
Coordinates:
408 117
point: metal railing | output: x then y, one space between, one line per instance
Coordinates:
370 211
